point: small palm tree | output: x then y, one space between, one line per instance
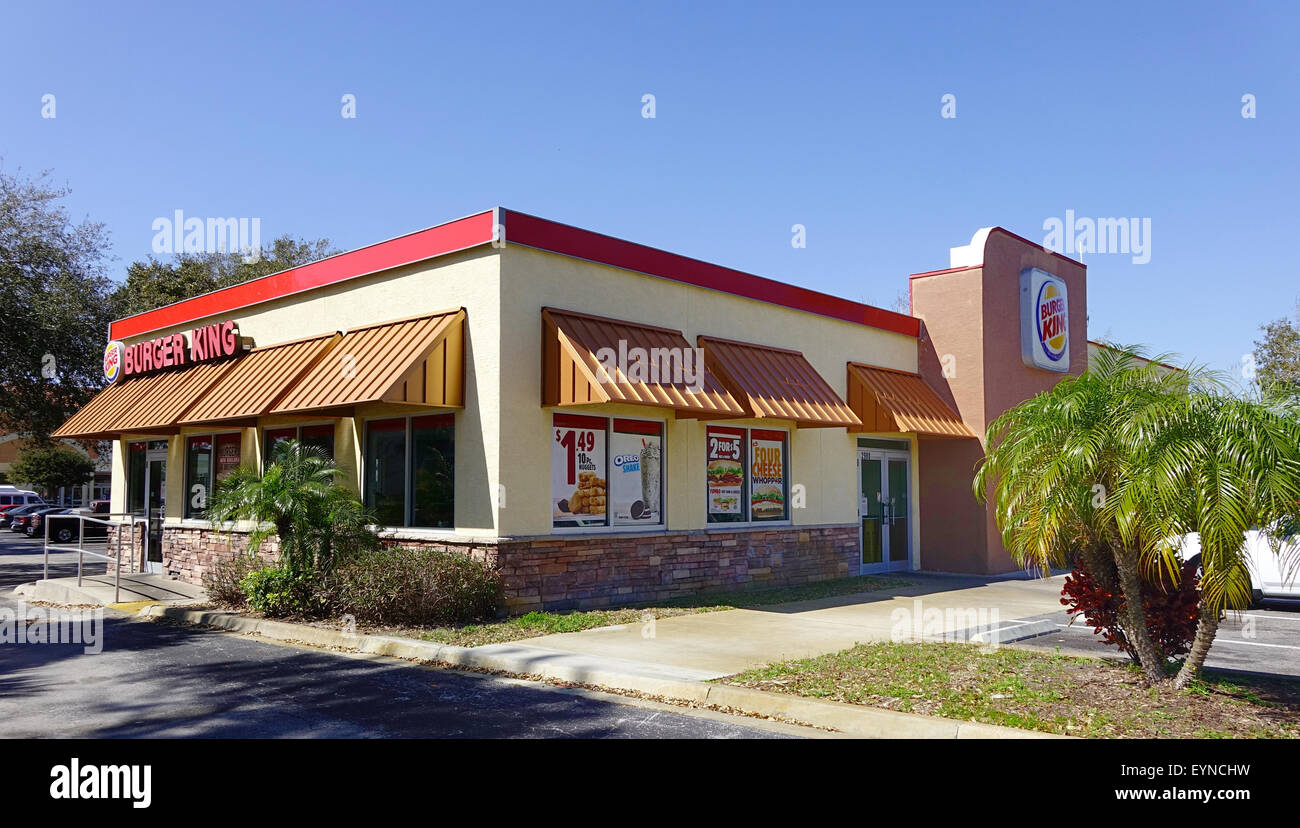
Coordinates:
299 500
1122 462
1054 463
1220 466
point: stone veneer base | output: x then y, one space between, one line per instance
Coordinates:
562 572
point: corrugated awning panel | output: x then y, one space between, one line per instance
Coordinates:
572 373
777 382
887 401
149 402
376 363
107 408
252 386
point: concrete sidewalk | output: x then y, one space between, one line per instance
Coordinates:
715 644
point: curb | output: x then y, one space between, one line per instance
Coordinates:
850 719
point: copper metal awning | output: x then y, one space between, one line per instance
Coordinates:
776 382
252 387
898 401
144 404
417 361
573 374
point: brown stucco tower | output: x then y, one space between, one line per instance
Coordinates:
970 351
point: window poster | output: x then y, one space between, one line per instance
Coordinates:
725 452
636 473
579 491
767 475
228 446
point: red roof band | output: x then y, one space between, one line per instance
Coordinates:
523 229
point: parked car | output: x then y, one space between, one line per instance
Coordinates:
15 512
68 529
35 527
1272 557
24 520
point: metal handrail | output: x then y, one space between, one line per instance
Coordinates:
131 521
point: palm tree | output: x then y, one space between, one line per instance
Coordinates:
1220 466
297 499
1056 463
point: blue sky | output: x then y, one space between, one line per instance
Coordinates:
767 116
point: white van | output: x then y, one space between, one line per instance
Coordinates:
13 496
1273 559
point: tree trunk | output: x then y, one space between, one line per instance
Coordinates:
1130 580
1207 626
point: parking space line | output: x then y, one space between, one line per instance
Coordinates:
1218 639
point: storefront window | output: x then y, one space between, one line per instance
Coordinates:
320 436
416 487
636 481
208 459
135 478
386 470
769 484
433 464
270 437
725 452
748 477
606 472
198 475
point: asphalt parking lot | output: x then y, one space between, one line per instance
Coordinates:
1261 640
173 681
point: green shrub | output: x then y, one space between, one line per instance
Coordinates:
279 592
412 586
222 580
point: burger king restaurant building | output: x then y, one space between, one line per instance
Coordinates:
603 421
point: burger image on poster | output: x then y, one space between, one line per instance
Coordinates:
725 478
767 501
1044 320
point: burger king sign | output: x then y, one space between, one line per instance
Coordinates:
1044 320
113 361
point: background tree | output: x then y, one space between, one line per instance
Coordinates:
152 283
53 307
1277 358
47 467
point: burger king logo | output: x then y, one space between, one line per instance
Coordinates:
1053 326
1044 321
113 361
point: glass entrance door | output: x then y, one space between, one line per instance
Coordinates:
155 497
884 485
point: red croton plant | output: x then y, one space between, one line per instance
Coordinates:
1170 610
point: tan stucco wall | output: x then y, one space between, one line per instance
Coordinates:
823 460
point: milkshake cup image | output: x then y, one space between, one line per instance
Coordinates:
650 488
